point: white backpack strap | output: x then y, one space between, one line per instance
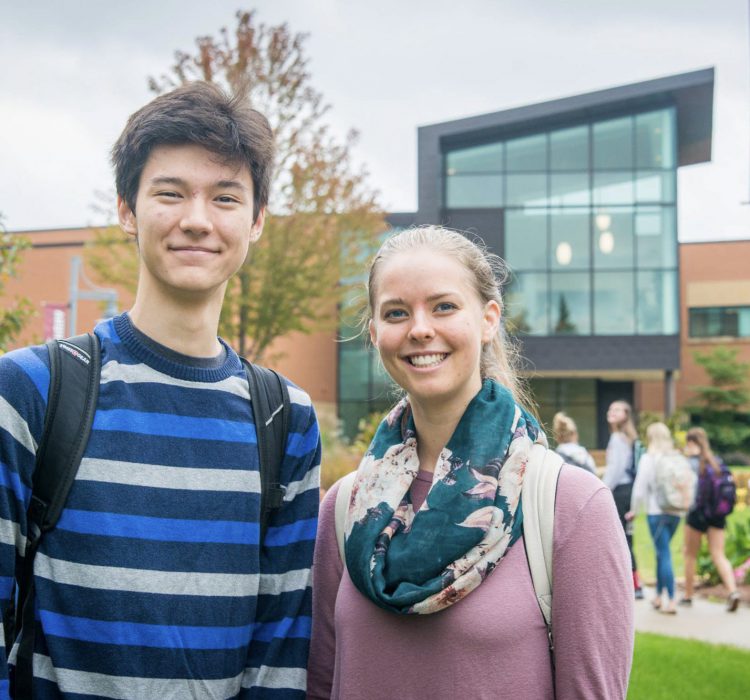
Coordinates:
538 503
343 496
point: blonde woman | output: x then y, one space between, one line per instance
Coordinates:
434 598
565 433
661 525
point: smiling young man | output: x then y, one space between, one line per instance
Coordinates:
155 582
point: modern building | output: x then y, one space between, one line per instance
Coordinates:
579 196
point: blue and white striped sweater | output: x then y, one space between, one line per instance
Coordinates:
152 585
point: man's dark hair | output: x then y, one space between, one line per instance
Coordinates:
202 114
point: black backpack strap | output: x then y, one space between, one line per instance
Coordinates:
271 406
75 369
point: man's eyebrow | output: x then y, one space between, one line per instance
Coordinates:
179 182
231 184
167 180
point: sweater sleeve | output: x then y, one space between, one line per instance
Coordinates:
592 602
277 658
24 383
327 572
619 455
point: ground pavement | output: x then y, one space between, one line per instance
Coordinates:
704 620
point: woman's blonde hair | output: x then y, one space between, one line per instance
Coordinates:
487 272
659 439
706 456
626 426
563 428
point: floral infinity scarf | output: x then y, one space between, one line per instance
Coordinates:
420 563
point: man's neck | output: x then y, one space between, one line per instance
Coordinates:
186 327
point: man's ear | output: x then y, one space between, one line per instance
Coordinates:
257 229
126 217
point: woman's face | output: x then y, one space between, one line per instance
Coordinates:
617 414
429 326
692 449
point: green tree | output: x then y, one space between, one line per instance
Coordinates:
722 403
325 217
16 312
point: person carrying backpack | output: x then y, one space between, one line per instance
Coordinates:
664 485
435 595
714 500
159 579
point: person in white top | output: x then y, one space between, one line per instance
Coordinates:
662 525
565 433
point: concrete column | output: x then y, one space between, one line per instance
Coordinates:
669 393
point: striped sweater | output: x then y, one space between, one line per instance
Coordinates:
153 584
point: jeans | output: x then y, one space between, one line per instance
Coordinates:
662 529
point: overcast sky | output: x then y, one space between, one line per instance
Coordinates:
71 71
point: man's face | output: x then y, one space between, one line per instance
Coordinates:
193 221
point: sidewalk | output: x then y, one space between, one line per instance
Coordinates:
704 620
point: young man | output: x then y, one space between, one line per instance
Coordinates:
153 584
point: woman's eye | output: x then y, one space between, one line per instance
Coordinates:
394 314
445 306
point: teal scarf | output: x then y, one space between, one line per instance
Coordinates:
420 563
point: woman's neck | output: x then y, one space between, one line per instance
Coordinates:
434 427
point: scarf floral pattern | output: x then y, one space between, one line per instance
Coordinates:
423 562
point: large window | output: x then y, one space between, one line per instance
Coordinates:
590 228
720 321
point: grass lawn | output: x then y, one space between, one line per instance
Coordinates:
665 668
644 548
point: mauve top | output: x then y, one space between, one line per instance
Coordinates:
493 643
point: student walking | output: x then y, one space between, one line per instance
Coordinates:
620 472
708 517
434 597
155 582
661 471
565 433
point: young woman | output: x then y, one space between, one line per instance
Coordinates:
700 521
565 432
434 598
661 525
619 472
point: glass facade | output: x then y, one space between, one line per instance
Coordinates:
590 227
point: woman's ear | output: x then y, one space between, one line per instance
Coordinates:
490 320
373 333
126 217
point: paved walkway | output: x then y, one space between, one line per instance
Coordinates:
704 620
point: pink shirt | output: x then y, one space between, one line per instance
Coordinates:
493 644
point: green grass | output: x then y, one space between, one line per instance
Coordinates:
665 668
644 547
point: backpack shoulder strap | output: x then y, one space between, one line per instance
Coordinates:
271 407
75 370
538 504
343 496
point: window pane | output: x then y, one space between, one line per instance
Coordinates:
656 237
354 376
526 240
657 302
467 191
527 303
651 186
614 303
743 322
528 153
654 138
570 294
528 190
569 149
613 143
487 158
613 239
569 189
613 187
571 239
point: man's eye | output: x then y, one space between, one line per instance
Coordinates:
168 193
226 199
